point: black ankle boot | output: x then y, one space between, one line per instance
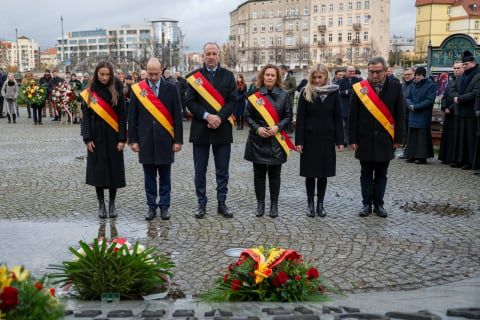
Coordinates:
310 208
274 208
9 119
102 211
320 210
14 117
112 212
260 208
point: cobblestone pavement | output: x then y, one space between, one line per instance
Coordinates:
431 236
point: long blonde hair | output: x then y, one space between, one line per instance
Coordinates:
310 92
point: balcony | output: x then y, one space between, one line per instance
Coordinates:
321 43
357 26
322 28
356 42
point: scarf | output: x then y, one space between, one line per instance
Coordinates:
324 91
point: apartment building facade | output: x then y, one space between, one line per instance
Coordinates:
19 56
438 19
299 33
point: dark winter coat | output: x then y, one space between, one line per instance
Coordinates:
224 83
422 96
374 142
267 150
318 129
105 166
467 93
346 92
156 144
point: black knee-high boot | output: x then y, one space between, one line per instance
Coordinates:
310 185
102 211
321 188
112 212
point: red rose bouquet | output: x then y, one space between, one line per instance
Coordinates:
274 274
64 97
23 297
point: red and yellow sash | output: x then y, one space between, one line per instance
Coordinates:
375 106
208 92
101 108
157 109
270 115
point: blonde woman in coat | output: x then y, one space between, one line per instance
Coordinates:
10 94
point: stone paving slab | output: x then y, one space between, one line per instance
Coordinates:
431 236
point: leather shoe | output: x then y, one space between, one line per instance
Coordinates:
310 209
274 209
164 213
410 160
112 211
380 211
223 210
456 165
467 167
366 210
321 212
150 215
200 213
260 208
421 161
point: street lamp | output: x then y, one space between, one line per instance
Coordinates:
18 51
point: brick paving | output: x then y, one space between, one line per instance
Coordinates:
431 236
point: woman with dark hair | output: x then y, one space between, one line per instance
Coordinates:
241 101
268 113
104 131
319 128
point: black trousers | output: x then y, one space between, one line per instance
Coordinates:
259 180
373 181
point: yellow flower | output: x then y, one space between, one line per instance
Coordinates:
32 91
5 278
21 274
29 96
41 90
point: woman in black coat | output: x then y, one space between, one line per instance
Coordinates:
319 128
262 147
105 141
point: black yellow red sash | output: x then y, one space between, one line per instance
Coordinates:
157 109
375 106
101 108
208 92
270 115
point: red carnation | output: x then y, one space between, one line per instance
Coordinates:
38 285
230 267
239 263
297 277
282 276
312 273
225 277
9 298
52 292
236 283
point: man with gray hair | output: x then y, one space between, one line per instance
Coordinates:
375 129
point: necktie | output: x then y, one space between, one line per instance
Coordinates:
211 74
154 89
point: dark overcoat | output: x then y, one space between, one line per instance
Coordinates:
105 166
155 142
422 97
318 129
267 150
224 83
373 140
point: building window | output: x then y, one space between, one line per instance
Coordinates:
447 27
340 6
296 56
366 52
323 8
340 21
255 43
340 37
330 52
330 37
449 11
270 13
349 21
279 12
365 36
262 57
330 22
357 52
322 53
305 55
315 23
305 25
331 7
254 15
366 19
367 4
359 5
357 36
279 27
476 25
349 36
357 20
262 42
350 6
271 42
262 28
289 41
349 52
305 11
254 28
279 41
322 22
262 13
305 40
270 27
315 38
290 25
315 9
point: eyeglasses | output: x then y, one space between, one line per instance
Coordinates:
408 74
376 71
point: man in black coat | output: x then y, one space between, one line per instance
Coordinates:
3 78
345 90
155 131
211 97
374 140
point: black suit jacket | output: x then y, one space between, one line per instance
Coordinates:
224 83
154 140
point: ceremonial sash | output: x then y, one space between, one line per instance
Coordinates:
101 108
270 115
375 106
157 109
208 92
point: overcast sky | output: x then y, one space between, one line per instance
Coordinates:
200 21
